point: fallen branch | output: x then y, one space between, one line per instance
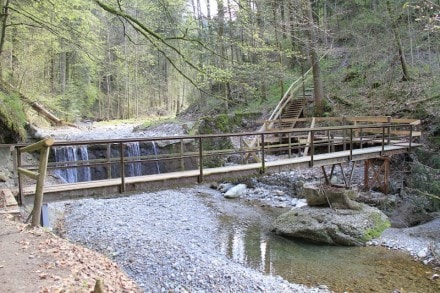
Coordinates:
421 100
424 193
54 120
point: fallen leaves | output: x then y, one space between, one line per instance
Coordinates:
84 268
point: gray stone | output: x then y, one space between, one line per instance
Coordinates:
335 227
422 253
3 177
224 187
236 191
334 197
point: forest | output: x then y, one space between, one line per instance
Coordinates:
104 60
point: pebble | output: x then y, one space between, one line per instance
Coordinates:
422 253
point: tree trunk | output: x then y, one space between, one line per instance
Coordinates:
8 89
402 58
4 5
318 90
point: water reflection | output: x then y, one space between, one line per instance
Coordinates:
343 269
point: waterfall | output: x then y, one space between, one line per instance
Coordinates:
133 151
84 173
155 154
72 154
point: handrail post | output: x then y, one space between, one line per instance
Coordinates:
38 199
263 163
328 142
290 144
383 141
344 131
410 135
200 179
121 151
312 147
361 134
182 160
389 130
20 183
44 147
351 143
109 165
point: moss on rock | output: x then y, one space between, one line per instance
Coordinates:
12 119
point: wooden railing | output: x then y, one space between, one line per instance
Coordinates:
43 147
194 153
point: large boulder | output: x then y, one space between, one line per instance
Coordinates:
335 227
339 198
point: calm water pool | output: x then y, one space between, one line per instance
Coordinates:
245 237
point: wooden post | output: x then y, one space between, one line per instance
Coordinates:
182 160
122 164
263 163
200 178
389 130
383 141
344 133
351 144
20 183
386 163
366 174
109 165
44 147
328 142
312 148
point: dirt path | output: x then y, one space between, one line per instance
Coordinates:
34 260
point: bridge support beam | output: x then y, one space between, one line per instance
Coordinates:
380 173
347 177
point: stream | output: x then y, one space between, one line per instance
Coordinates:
246 238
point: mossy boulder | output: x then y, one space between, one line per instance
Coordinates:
335 227
12 119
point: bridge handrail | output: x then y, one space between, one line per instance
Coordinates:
43 146
325 136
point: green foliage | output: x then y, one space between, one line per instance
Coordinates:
377 229
12 114
425 178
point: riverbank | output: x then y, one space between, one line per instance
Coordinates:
35 260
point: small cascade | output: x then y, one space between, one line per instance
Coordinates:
66 154
84 173
72 154
134 152
155 152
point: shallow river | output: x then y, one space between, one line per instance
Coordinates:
246 238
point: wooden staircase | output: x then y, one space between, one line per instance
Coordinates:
291 106
292 111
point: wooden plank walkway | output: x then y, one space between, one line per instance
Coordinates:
175 179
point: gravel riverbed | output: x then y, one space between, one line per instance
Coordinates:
166 241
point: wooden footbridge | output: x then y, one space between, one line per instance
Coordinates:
189 159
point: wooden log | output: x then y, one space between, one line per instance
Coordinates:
38 145
29 173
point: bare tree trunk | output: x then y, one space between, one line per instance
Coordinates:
4 5
405 71
280 56
318 90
